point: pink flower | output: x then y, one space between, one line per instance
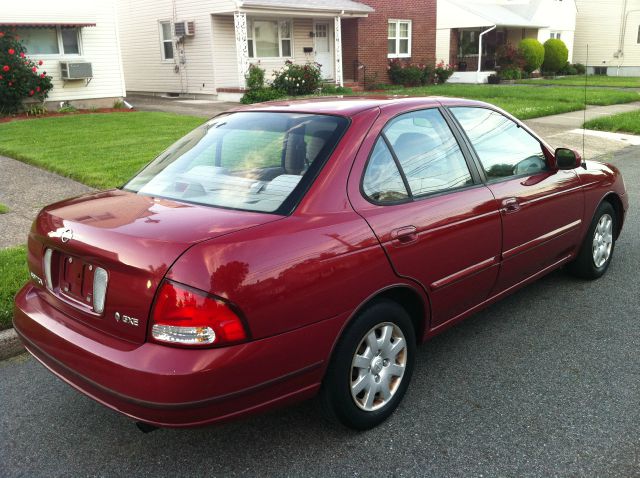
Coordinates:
34 69
40 62
21 54
12 51
31 93
5 68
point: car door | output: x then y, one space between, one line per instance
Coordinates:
541 207
437 223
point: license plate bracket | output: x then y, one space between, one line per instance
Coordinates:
76 281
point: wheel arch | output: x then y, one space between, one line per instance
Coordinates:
615 201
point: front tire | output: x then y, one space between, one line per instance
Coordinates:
371 366
597 249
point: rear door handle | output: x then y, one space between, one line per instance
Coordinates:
510 205
405 234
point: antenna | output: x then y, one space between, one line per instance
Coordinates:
584 114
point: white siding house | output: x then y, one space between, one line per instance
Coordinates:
216 40
76 31
611 30
461 24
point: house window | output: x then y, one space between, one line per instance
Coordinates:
166 41
399 39
51 40
638 40
269 38
556 35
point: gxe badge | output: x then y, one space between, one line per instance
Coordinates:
126 319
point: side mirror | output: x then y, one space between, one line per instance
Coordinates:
568 159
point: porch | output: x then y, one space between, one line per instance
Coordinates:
476 36
270 33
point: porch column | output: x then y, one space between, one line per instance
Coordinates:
242 46
337 36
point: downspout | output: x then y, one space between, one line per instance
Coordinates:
623 33
480 51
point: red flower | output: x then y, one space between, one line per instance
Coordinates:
11 51
1 34
34 69
21 54
31 93
40 62
42 75
38 89
5 68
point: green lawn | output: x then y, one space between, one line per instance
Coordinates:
13 275
3 209
100 150
592 80
622 123
526 102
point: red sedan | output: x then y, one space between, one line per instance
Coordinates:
296 248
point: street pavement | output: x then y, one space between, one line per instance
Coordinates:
544 383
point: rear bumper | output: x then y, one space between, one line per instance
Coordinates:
173 387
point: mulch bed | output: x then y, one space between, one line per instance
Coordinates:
53 114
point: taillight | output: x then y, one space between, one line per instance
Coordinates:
185 316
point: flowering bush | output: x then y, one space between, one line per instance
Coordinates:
443 72
19 76
297 79
409 74
509 57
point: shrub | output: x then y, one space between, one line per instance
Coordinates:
442 72
259 95
555 55
580 68
407 74
510 74
297 79
255 77
493 79
568 69
19 77
532 52
509 57
118 104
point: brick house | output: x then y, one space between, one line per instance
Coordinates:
204 47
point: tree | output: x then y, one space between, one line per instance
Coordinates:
556 55
19 76
533 53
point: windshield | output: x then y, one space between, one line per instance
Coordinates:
252 161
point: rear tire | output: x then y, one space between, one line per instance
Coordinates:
371 366
597 249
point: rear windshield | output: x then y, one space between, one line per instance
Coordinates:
252 161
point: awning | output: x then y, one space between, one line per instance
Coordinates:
46 24
458 14
334 7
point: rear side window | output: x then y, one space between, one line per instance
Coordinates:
503 147
250 161
426 151
382 181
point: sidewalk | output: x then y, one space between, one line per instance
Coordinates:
565 130
25 190
181 105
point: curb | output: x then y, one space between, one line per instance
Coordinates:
10 344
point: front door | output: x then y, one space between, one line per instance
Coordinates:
437 223
541 207
323 46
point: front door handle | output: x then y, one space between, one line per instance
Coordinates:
405 235
510 205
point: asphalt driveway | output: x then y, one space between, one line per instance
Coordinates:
544 383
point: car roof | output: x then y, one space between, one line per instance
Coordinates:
352 105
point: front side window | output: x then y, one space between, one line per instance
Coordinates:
503 147
269 38
399 38
249 161
426 151
166 41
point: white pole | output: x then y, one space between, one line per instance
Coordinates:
480 52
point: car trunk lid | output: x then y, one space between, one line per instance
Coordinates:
134 238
